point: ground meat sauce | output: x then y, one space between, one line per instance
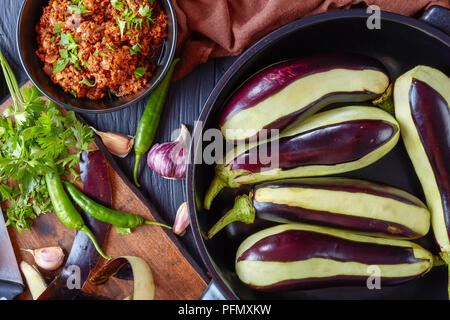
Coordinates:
95 48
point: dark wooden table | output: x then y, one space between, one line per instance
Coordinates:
185 102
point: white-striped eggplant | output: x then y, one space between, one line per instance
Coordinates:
422 107
351 204
300 256
330 142
288 92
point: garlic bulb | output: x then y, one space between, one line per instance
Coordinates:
181 220
49 258
169 159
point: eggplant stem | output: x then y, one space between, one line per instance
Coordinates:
217 184
446 257
94 241
243 211
385 101
157 224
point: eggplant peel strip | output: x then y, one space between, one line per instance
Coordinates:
34 279
144 285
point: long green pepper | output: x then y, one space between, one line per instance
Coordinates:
102 213
146 130
66 211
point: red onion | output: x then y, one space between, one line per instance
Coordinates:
169 159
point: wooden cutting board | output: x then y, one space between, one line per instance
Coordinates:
176 274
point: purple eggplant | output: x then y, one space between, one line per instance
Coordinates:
290 91
97 185
330 142
422 107
299 256
355 205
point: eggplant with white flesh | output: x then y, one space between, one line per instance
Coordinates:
299 256
422 107
330 142
351 204
289 91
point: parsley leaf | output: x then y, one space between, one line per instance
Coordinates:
117 4
77 7
109 47
86 82
57 28
60 65
122 25
140 72
135 49
40 138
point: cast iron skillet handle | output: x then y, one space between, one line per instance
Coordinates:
438 17
9 290
212 293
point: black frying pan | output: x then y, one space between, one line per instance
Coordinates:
401 44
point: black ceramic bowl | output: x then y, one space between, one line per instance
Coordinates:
401 44
29 16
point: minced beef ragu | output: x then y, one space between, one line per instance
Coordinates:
107 62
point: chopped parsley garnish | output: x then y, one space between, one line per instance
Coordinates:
57 28
52 39
77 7
109 47
72 92
146 12
135 49
68 41
139 72
112 94
86 82
127 18
96 54
60 65
122 25
118 5
68 55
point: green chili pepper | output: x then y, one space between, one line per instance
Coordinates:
102 213
66 211
146 130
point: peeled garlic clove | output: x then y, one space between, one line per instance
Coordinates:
181 220
49 258
118 144
169 159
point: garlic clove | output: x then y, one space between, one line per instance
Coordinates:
118 144
169 159
49 258
182 219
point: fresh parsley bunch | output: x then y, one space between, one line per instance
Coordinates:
39 140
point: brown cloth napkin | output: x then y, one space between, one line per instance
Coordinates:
218 28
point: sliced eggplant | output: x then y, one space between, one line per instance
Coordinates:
290 91
357 205
300 256
335 141
422 107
